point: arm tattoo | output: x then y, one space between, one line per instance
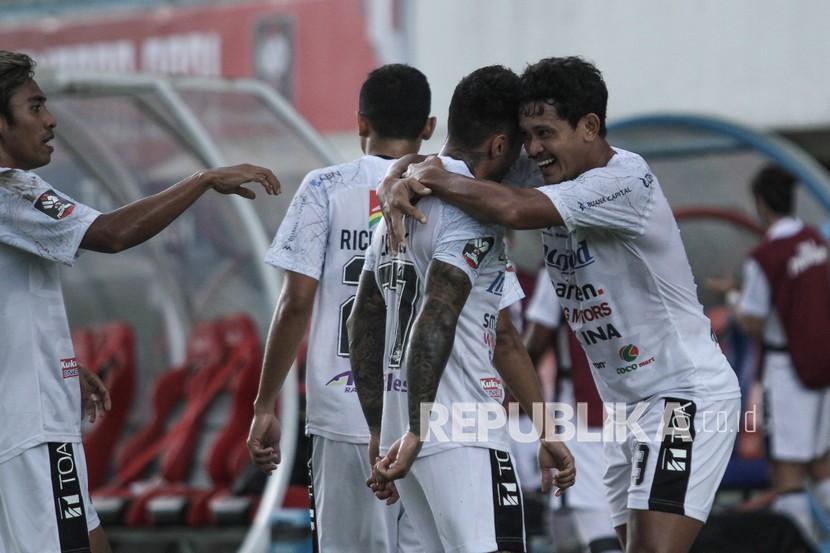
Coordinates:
433 334
367 328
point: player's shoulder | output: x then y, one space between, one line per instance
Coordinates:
20 181
363 172
624 167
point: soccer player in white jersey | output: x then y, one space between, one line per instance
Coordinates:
442 302
44 499
586 502
320 246
610 237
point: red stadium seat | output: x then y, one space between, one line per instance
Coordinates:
114 363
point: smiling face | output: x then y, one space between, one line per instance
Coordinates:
561 151
25 139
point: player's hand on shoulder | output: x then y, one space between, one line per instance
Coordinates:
556 464
264 441
229 180
95 398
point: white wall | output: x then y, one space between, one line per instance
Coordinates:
762 62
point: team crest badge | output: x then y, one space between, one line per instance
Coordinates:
475 251
54 205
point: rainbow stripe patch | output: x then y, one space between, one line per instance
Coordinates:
375 214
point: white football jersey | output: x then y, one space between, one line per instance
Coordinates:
469 378
40 228
625 285
325 232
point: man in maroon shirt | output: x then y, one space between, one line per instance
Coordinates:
785 301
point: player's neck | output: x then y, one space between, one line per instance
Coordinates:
474 160
599 156
391 147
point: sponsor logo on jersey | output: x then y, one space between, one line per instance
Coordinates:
69 367
476 250
576 292
567 260
808 254
54 205
344 379
395 384
647 180
587 314
329 176
375 214
598 202
492 386
599 334
629 353
497 286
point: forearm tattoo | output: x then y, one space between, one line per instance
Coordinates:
366 327
433 335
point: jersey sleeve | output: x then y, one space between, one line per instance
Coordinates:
463 242
755 295
605 198
300 242
543 307
36 218
512 290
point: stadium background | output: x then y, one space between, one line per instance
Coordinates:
708 91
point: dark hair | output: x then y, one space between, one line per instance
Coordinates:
484 103
573 86
395 98
775 186
15 70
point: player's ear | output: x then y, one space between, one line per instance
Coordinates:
429 128
590 126
363 127
498 146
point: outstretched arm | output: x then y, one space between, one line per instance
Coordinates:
288 327
367 329
516 369
142 219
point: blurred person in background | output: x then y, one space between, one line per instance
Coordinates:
785 302
320 247
575 387
44 496
609 236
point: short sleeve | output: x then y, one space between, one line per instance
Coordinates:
512 290
41 220
543 307
619 199
301 241
458 239
755 295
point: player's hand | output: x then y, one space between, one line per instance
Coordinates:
95 398
556 465
398 459
264 441
229 180
396 197
386 491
